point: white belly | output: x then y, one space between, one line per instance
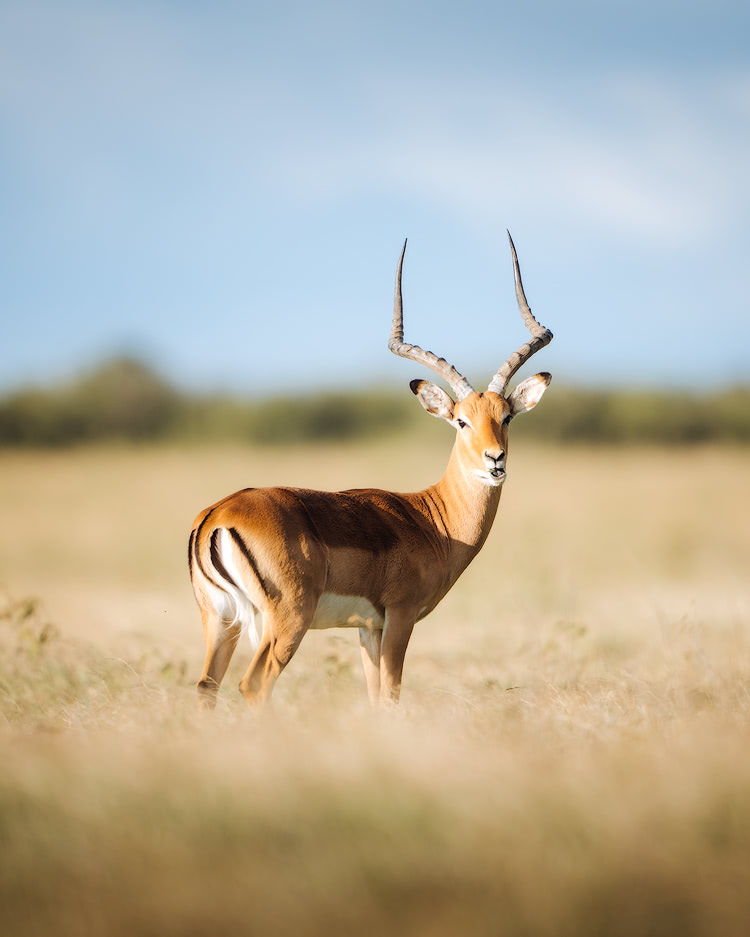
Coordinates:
346 611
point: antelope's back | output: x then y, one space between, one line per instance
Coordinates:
362 542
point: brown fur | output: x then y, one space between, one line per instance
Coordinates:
399 552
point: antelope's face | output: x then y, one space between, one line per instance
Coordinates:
481 422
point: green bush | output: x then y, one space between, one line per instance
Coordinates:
123 399
639 416
126 400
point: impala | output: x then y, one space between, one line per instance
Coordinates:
275 562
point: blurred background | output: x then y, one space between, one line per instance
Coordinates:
203 206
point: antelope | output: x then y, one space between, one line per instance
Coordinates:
276 562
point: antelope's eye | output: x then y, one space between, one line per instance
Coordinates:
506 419
461 424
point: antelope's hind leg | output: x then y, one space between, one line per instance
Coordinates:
275 651
284 626
221 639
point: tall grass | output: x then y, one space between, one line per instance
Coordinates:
570 757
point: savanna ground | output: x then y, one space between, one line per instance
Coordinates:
571 756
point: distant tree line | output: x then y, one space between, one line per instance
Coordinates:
126 400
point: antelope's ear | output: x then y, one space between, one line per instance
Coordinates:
433 398
528 393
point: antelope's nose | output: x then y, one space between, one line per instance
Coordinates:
495 463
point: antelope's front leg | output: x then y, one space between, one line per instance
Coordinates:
369 642
399 624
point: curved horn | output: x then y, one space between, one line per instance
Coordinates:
541 336
461 387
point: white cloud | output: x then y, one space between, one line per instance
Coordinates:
115 94
173 138
634 158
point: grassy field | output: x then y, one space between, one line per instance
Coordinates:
571 757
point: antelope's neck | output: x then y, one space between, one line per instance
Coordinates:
465 508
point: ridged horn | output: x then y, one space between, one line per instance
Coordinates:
461 387
540 335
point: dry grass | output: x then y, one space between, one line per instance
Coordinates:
571 756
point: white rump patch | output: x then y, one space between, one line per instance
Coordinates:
232 602
346 611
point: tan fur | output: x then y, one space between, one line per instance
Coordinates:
399 552
379 560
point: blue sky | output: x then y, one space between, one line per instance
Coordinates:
225 187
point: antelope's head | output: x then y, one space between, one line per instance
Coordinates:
481 420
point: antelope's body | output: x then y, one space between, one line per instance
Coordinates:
276 562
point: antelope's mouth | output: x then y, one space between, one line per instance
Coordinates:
493 477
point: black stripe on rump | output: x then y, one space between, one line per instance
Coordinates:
245 550
216 559
197 551
191 543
